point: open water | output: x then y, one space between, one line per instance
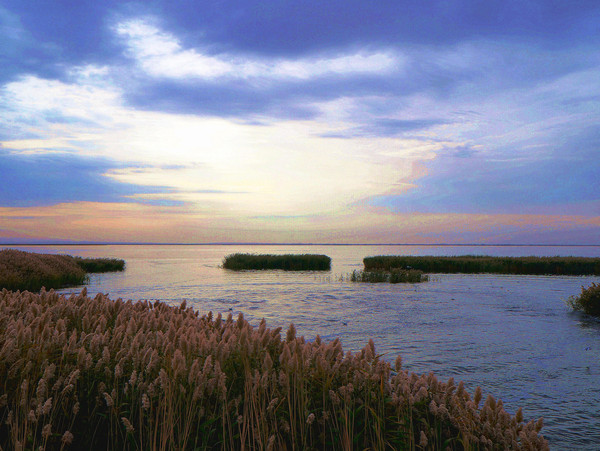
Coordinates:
512 335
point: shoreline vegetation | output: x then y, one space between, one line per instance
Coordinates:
588 300
287 262
20 270
473 264
396 275
95 373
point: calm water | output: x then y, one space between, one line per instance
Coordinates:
513 335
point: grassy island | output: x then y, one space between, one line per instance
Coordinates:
21 270
98 265
472 264
288 262
103 374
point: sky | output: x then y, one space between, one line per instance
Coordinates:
339 121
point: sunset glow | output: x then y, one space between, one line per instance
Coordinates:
239 123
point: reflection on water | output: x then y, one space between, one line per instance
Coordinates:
513 335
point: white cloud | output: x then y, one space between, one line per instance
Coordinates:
284 167
161 55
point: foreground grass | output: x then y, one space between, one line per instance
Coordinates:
483 264
288 262
21 270
588 300
103 374
393 276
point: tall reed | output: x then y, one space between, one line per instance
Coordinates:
588 300
393 276
21 270
287 262
28 271
103 374
98 265
485 264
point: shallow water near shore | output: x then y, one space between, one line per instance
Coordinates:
513 335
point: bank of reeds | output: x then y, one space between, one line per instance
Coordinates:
393 276
21 270
28 271
287 262
103 374
98 265
588 300
471 264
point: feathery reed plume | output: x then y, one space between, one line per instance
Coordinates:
103 374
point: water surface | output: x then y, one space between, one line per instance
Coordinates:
513 335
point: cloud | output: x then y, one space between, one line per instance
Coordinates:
386 127
250 113
277 167
285 28
39 180
556 179
161 55
205 77
91 221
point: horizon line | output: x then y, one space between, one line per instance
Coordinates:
225 243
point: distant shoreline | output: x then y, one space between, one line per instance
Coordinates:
296 244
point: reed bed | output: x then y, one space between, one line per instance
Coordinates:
99 265
28 271
287 262
471 264
588 300
21 270
393 276
102 374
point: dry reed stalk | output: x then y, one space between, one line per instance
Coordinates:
97 373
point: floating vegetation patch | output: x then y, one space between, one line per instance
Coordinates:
101 374
21 270
393 276
287 262
472 264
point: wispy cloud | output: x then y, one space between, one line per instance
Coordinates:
160 54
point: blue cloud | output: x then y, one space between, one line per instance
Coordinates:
480 68
386 127
465 181
532 41
285 28
39 180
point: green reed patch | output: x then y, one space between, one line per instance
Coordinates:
588 301
393 276
472 264
21 270
102 374
287 262
98 265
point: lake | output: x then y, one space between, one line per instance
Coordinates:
512 335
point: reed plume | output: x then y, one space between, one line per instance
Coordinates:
96 373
